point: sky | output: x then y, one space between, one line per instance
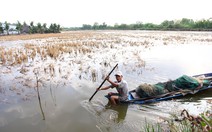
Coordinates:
75 13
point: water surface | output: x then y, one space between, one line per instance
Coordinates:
66 107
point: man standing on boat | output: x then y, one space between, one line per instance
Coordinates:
121 86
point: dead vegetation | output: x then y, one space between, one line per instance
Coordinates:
86 43
73 43
201 123
78 53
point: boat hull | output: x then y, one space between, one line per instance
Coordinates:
132 98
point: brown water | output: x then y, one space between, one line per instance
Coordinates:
66 107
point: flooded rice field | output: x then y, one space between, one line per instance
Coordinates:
47 80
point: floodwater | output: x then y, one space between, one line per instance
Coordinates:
63 105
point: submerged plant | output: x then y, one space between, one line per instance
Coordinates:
3 59
94 75
152 127
51 70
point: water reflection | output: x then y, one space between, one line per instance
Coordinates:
53 94
121 111
36 72
109 118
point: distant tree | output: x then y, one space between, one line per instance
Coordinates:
54 28
186 23
103 26
1 28
210 23
96 26
39 28
45 29
138 25
18 27
150 26
199 24
116 25
123 26
31 27
86 27
58 28
51 28
167 24
203 24
7 27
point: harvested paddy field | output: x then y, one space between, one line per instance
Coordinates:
64 70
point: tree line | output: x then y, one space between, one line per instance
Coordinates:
181 25
184 24
31 28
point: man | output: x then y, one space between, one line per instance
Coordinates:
121 86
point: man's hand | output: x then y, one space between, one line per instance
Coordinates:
98 89
110 93
107 78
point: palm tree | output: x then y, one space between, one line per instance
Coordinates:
31 27
45 29
51 28
58 28
1 28
55 28
39 28
19 27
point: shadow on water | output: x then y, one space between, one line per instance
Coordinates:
109 118
120 109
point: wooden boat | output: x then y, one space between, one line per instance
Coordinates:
134 98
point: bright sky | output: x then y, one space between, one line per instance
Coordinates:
71 13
